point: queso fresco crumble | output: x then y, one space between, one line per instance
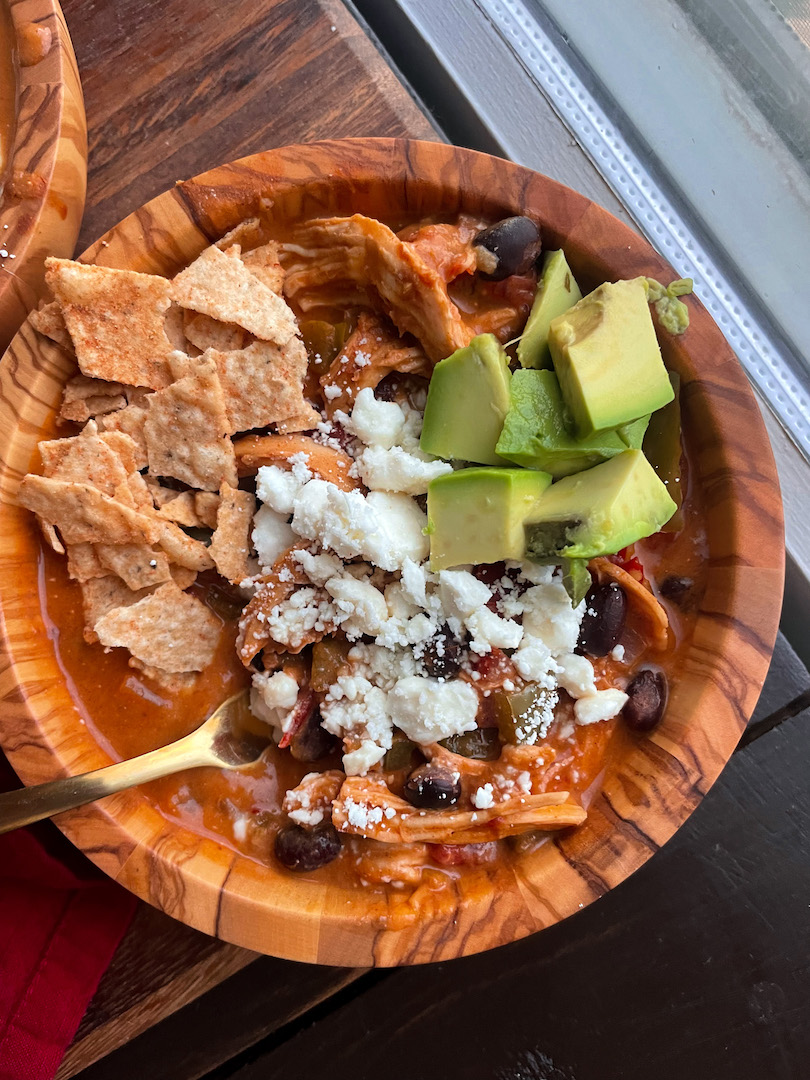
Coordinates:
385 480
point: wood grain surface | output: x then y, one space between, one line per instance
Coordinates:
41 206
654 786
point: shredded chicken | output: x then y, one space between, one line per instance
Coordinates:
386 863
324 462
387 272
372 351
646 603
366 807
273 589
310 802
447 249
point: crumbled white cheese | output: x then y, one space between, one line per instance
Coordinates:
414 580
482 798
353 706
302 816
375 423
240 829
277 488
575 674
279 691
300 467
383 528
362 608
306 610
395 469
548 615
462 593
617 653
318 568
330 392
359 761
428 710
491 631
272 536
603 705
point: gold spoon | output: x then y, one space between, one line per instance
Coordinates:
223 741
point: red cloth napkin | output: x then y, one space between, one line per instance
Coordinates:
60 923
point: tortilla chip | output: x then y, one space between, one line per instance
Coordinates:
206 504
84 398
131 421
168 629
170 681
51 537
138 565
116 319
262 384
263 262
222 286
50 321
84 459
181 509
207 333
186 430
174 326
247 233
303 421
83 562
230 544
103 594
183 549
82 513
182 576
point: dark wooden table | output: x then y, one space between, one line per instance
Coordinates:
697 967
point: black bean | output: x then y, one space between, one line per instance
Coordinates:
647 699
603 621
312 742
676 589
431 787
307 849
515 243
442 655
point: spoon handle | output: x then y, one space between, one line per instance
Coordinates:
24 807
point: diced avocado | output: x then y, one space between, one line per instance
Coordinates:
632 434
537 430
477 515
607 359
556 293
663 450
599 511
467 401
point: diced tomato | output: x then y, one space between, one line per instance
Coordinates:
463 854
302 710
628 561
495 668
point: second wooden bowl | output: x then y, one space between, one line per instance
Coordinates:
44 170
649 790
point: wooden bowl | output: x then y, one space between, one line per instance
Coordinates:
651 788
46 172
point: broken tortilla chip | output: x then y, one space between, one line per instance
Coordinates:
116 319
138 565
263 262
184 549
207 333
49 321
85 459
82 513
168 629
84 398
230 544
186 430
221 286
206 504
262 384
103 594
83 562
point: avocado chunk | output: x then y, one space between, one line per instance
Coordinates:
477 515
556 293
663 450
467 401
537 430
599 511
607 358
